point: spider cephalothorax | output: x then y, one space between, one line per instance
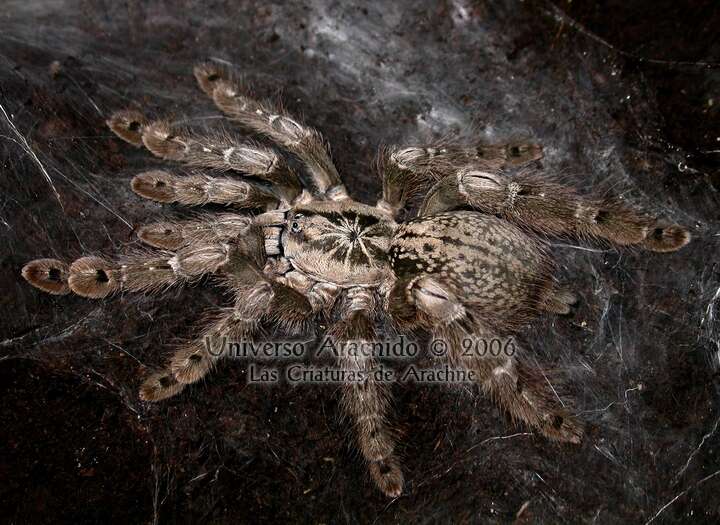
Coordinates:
343 242
472 263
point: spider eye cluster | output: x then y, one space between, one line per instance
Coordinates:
295 225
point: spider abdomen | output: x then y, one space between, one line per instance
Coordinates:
497 270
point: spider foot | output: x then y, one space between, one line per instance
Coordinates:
190 364
562 428
208 76
49 275
164 141
159 386
163 235
388 476
667 238
128 125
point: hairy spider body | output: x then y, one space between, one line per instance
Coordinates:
472 263
502 272
342 242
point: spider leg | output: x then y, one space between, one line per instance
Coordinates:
192 361
525 395
197 189
255 303
541 205
172 234
409 172
367 401
289 310
241 323
97 277
264 118
218 150
521 390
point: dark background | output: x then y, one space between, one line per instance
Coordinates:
623 98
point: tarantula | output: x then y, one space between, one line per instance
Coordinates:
473 261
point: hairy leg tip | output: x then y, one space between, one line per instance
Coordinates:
520 153
564 429
48 275
128 125
156 185
93 277
159 386
388 477
208 75
163 141
162 235
189 365
667 238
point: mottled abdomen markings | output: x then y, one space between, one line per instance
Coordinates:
489 264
